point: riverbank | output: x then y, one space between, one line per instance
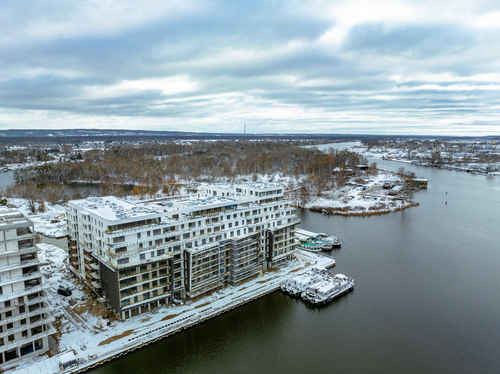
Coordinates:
366 195
94 340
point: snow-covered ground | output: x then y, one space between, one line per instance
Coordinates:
51 223
369 196
92 339
24 165
335 146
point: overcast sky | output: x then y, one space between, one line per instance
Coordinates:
386 67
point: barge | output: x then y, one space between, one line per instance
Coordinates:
318 287
328 290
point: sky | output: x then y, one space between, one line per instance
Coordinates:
371 67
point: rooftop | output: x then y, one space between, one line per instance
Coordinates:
191 204
112 208
10 216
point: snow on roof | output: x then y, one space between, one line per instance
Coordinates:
324 286
262 186
190 204
112 208
8 215
66 357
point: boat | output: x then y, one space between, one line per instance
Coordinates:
310 245
298 284
314 242
329 241
327 290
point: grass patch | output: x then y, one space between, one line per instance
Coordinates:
170 316
202 305
116 337
265 281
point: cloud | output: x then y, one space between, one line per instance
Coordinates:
347 66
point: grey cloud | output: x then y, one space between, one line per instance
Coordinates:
418 40
352 79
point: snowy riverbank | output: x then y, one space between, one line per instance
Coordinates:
362 196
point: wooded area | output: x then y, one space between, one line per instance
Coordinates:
151 167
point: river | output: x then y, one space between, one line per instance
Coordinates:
427 298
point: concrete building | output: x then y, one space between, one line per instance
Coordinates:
143 255
25 324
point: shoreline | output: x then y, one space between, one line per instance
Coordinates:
354 213
133 334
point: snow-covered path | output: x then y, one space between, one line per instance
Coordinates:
93 348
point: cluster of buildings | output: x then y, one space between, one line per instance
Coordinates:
481 156
141 255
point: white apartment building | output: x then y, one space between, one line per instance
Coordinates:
25 324
143 255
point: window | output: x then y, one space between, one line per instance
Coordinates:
118 239
38 344
121 250
122 261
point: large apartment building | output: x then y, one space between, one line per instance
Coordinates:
25 324
143 255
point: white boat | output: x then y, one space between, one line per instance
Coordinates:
296 285
327 290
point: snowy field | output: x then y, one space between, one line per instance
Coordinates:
350 146
51 223
92 339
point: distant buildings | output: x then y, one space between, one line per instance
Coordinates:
143 255
24 317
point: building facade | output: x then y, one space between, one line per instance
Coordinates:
25 324
143 255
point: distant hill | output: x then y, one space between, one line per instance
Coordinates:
81 135
89 132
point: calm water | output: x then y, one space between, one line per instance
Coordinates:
427 299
